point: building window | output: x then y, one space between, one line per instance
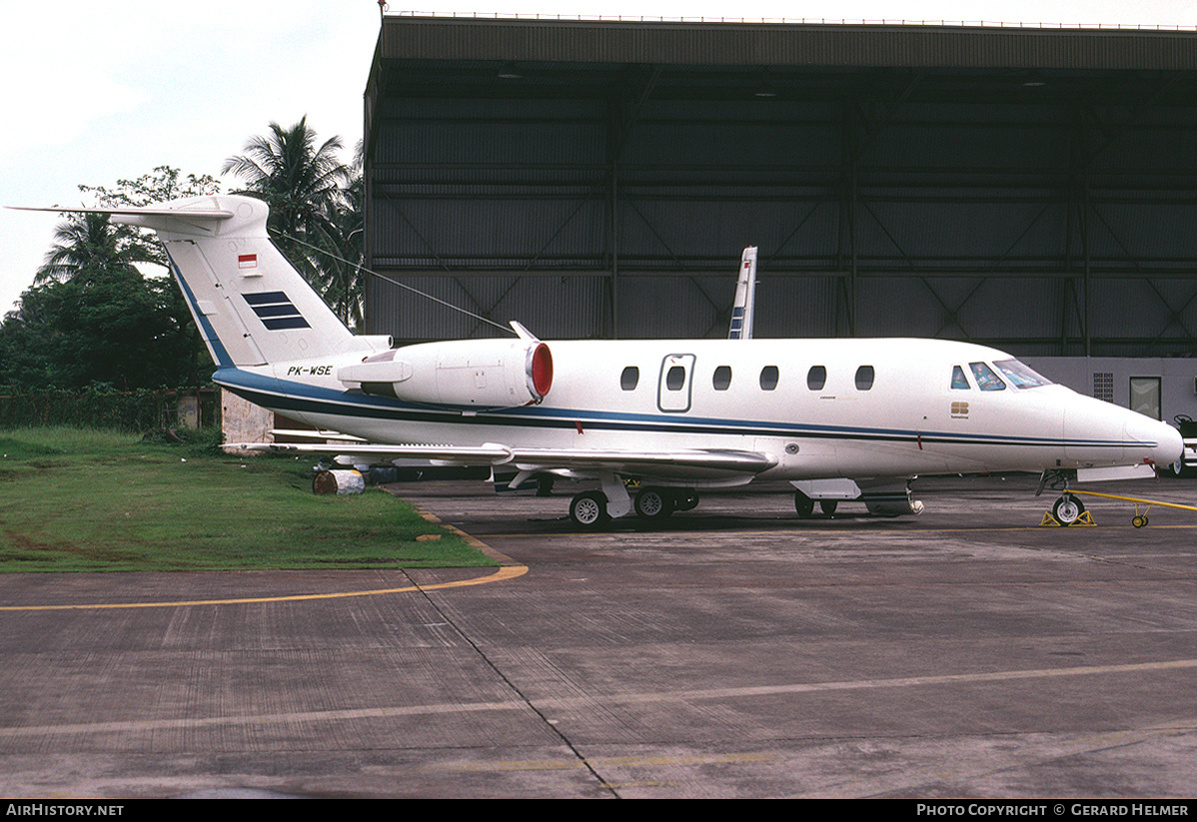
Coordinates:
1145 396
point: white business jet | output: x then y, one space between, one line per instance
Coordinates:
838 418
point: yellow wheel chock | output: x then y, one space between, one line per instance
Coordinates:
1084 520
1139 520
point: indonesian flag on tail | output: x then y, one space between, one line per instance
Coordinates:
247 261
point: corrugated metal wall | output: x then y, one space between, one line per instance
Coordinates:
1045 210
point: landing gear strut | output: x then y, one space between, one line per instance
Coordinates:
1067 509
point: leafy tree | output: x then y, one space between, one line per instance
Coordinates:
161 185
115 327
344 279
92 316
90 243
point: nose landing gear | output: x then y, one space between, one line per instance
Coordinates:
1068 510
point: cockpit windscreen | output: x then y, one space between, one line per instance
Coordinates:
1021 375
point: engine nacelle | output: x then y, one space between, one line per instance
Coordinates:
498 373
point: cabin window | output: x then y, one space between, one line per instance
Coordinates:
630 378
986 379
675 378
722 378
769 378
959 381
816 378
864 378
1021 375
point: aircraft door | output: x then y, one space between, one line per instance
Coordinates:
673 389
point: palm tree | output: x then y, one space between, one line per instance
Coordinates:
304 185
344 277
89 245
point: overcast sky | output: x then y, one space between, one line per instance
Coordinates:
98 91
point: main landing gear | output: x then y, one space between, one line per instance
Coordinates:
593 509
805 506
588 510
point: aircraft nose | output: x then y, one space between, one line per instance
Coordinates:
1160 442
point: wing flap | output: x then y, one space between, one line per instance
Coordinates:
691 464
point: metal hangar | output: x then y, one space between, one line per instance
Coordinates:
1033 189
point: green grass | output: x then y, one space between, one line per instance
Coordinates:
78 500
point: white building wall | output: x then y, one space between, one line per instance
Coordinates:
1093 376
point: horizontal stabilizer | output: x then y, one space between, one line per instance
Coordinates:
133 211
194 217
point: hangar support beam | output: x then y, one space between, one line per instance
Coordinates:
1033 191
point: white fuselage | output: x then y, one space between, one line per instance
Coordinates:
885 408
676 412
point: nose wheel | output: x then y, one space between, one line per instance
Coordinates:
1068 509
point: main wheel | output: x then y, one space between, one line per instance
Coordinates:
589 509
1067 510
653 503
828 506
804 505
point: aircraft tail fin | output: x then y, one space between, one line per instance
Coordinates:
251 305
742 309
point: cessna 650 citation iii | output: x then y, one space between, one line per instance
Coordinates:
838 418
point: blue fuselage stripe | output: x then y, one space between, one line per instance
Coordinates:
282 395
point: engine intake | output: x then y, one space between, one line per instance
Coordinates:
484 373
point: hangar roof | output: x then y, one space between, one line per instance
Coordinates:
898 179
727 44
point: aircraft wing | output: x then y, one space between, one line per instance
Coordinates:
682 465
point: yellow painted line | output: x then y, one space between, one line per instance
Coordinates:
510 570
472 541
583 536
507 572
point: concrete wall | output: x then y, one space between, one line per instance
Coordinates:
242 421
